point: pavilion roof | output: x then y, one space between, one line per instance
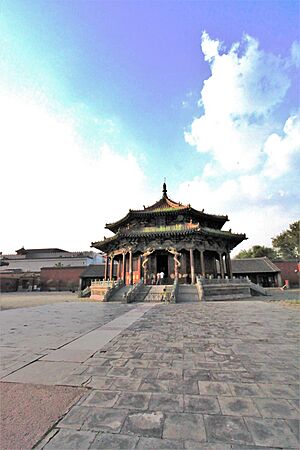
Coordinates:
165 206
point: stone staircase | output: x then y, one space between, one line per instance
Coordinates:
187 293
142 294
119 295
155 292
223 292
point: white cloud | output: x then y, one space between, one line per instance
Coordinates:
55 195
295 54
245 86
245 201
238 129
281 151
210 48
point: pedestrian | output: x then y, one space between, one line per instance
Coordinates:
164 295
161 277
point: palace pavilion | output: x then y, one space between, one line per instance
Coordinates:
168 237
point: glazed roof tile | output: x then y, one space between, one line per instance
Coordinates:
170 231
253 265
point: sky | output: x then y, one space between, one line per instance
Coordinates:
102 100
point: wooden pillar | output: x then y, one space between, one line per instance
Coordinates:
175 269
111 272
215 268
202 263
192 264
130 267
124 268
118 269
221 265
228 265
106 268
140 266
145 273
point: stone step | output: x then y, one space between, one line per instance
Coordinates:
221 298
187 294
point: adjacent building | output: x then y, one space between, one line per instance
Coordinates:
260 271
27 269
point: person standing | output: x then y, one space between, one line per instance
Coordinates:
161 276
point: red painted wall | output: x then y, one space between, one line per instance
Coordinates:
289 271
60 278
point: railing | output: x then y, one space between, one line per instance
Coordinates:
85 292
103 290
202 281
134 291
223 280
102 283
113 289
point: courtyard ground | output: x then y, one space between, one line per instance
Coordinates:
191 376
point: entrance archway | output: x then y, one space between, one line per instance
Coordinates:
162 264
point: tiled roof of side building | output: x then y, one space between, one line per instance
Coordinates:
93 271
40 250
254 265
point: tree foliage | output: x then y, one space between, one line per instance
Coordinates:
287 242
258 251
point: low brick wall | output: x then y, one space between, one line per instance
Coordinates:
289 271
60 278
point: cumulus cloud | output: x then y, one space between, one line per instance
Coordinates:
282 151
55 194
247 200
248 146
245 86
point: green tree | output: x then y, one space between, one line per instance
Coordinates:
287 242
258 251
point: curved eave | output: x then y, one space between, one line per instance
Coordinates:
209 232
139 213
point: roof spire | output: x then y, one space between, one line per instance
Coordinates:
165 188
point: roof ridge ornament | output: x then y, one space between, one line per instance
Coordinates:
165 189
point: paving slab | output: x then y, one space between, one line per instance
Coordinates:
43 372
154 443
238 406
144 424
166 402
180 376
276 408
105 399
184 426
272 432
104 419
107 441
227 429
70 439
133 400
201 404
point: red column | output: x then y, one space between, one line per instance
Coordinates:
130 267
111 272
106 268
192 264
124 268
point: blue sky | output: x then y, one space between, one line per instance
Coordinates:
102 100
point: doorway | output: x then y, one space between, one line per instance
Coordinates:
162 264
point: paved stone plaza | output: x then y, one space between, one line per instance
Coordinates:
190 376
